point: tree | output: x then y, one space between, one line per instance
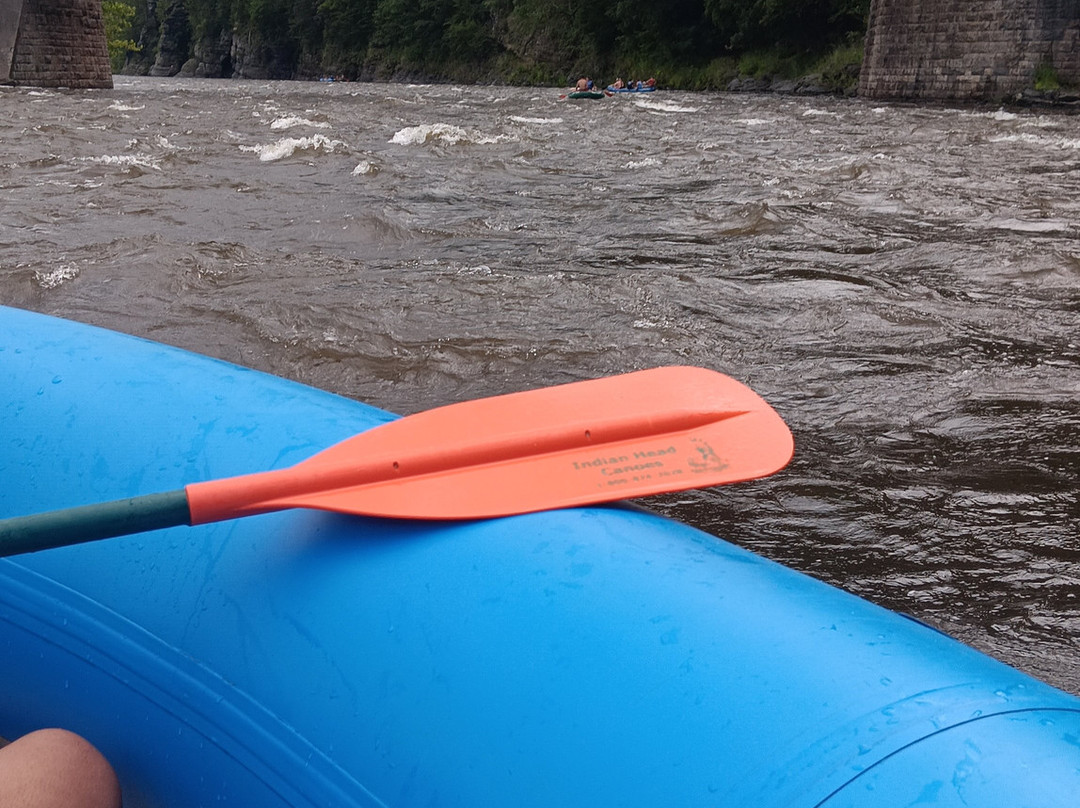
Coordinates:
118 19
798 25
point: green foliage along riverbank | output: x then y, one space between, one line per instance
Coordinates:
685 44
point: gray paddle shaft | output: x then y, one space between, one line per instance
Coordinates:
27 534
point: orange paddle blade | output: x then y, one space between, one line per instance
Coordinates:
649 432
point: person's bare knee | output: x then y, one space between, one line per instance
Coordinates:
54 767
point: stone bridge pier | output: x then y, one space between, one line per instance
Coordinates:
54 43
968 49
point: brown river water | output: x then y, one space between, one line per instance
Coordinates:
901 282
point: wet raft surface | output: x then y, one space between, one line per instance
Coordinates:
598 655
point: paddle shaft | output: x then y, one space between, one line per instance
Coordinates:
43 531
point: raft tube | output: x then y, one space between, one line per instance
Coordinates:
588 657
589 94
644 89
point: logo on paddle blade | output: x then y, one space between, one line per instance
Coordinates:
706 459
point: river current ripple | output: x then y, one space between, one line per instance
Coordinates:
901 282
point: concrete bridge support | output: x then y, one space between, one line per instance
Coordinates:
54 43
10 14
958 49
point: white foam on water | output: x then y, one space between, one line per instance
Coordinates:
51 278
164 143
537 121
1028 225
289 121
661 106
1063 143
439 132
156 141
648 162
123 161
287 147
1047 122
365 167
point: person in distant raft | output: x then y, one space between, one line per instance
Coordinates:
54 768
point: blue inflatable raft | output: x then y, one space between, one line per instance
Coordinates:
588 657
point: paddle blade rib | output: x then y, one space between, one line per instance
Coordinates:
639 434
